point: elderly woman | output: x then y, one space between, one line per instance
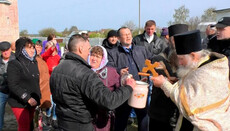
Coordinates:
23 82
111 79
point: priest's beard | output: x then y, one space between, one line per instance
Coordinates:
184 70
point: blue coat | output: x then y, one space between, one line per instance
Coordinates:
118 58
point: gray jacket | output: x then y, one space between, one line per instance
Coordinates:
3 74
156 46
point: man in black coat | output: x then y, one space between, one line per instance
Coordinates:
77 90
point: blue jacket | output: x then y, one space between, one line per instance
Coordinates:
118 57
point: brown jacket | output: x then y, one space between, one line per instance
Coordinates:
44 83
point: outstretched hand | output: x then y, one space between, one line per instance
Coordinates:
158 81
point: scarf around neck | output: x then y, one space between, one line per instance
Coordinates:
27 55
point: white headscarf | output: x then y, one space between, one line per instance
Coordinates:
104 60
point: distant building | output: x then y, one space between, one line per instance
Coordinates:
9 28
222 13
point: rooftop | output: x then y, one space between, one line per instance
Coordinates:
5 2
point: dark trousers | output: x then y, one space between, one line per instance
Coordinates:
186 125
122 116
74 126
155 125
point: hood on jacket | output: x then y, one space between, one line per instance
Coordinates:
20 43
104 60
108 45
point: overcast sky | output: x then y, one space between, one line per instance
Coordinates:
35 15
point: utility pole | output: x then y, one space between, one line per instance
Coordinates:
139 17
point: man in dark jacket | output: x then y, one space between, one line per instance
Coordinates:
77 90
129 58
111 41
211 41
149 39
223 36
6 56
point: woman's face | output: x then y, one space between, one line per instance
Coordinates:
30 50
113 40
95 60
38 49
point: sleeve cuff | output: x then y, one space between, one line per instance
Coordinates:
167 88
25 97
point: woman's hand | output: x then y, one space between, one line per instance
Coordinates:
32 102
124 71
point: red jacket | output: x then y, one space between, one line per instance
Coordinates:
51 61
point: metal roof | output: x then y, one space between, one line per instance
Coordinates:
222 10
5 2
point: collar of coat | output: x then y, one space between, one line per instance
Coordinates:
76 57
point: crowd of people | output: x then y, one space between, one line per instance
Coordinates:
88 87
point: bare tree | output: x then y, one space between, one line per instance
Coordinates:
130 25
193 22
23 33
45 32
209 15
65 32
180 16
73 28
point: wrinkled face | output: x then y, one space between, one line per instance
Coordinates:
150 30
223 33
85 50
30 49
38 49
186 64
125 37
113 40
184 60
95 60
6 54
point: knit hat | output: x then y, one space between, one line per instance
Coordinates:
37 42
188 42
164 31
112 33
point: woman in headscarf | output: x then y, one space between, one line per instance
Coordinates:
23 82
104 119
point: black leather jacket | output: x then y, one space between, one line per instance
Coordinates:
77 91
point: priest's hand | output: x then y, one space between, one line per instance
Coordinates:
158 81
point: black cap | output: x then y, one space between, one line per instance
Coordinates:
112 33
177 29
188 42
4 45
223 22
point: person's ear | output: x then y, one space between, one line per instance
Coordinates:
194 56
81 49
